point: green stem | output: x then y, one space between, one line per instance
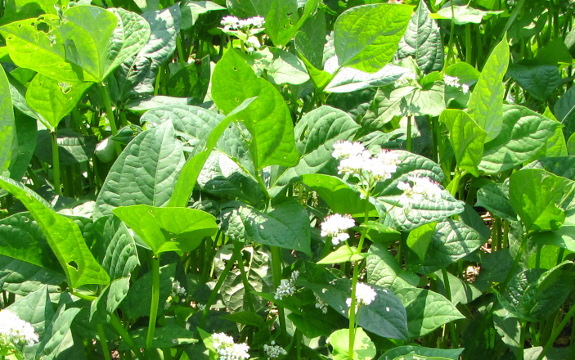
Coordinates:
105 94
155 268
244 276
451 325
522 337
103 341
468 45
56 163
556 332
450 52
117 325
408 143
217 288
277 277
516 11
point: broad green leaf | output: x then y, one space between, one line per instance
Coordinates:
387 104
64 237
539 197
145 172
466 138
450 241
509 328
343 254
495 198
426 211
21 238
8 136
363 347
535 294
192 10
422 40
452 354
462 292
463 14
285 226
315 134
168 336
554 353
522 138
74 148
286 68
557 144
366 37
190 80
22 278
420 238
349 79
168 229
58 336
26 129
269 120
564 111
137 302
245 9
338 195
34 308
384 270
282 20
310 40
54 99
486 102
426 310
539 80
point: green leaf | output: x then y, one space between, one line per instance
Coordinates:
64 237
286 68
281 18
8 137
539 80
366 37
535 294
26 129
245 9
363 347
539 198
452 354
268 120
556 144
495 198
342 254
466 138
129 37
426 310
383 270
144 173
168 336
338 195
35 308
316 132
464 14
348 79
564 110
462 292
420 238
486 101
523 138
168 229
58 336
22 278
54 99
450 241
73 148
192 10
422 41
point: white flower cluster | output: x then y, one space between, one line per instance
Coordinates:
416 189
336 226
454 82
320 304
274 351
354 159
364 295
233 23
178 289
286 286
227 349
15 330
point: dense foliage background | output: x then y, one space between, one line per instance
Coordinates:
169 182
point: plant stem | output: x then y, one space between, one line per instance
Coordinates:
117 325
408 142
451 326
103 341
556 332
105 94
217 288
155 268
277 277
56 162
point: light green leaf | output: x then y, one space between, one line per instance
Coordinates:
556 145
366 37
433 353
64 237
426 310
486 101
363 347
539 197
269 120
145 172
466 138
420 238
523 138
495 198
168 229
245 9
8 137
422 40
383 270
286 68
54 99
349 79
343 254
463 14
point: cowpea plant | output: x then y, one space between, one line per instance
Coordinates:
282 179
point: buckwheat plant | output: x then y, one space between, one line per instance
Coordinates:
245 30
227 349
15 333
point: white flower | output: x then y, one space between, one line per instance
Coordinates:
286 286
233 23
230 22
418 188
177 289
451 81
336 226
253 43
465 88
15 330
274 351
320 304
227 349
364 295
346 149
354 159
383 165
